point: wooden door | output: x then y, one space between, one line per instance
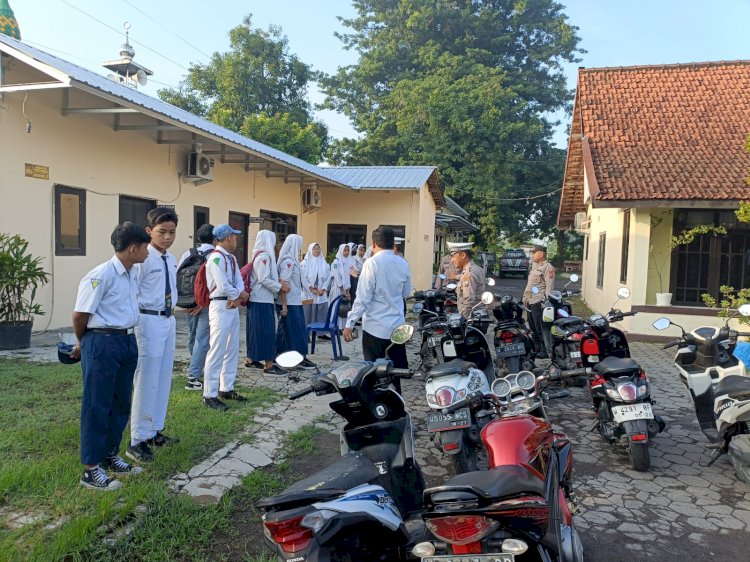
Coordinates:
240 221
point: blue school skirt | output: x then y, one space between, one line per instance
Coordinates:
261 331
295 335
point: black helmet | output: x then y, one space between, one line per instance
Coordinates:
63 353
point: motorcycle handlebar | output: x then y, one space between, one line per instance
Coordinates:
401 373
582 372
461 403
671 344
743 333
301 393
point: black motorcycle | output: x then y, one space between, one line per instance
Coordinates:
357 508
514 343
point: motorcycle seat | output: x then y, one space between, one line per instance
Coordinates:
452 367
489 485
734 386
612 366
571 322
347 472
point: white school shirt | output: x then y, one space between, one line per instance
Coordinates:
203 249
223 275
265 287
289 270
151 281
383 285
109 293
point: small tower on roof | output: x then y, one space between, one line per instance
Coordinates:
125 70
8 23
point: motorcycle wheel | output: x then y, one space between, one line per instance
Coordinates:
640 459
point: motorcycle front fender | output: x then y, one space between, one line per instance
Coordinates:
636 427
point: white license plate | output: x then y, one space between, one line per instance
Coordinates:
632 412
575 354
434 341
449 349
471 558
593 358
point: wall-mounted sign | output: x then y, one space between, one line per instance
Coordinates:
37 171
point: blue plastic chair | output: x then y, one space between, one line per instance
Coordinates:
330 326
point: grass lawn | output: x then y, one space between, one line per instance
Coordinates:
580 308
40 469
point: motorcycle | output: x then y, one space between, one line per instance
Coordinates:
357 508
514 344
566 330
600 340
719 387
465 365
522 507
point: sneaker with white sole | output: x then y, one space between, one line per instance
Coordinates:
140 452
117 465
96 479
193 384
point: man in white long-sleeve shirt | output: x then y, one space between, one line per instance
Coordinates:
383 285
226 290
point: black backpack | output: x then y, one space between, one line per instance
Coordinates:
186 274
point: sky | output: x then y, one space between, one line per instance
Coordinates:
169 35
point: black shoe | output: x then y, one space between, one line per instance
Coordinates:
232 395
161 440
307 364
96 479
275 372
253 364
193 384
117 465
324 337
215 404
140 452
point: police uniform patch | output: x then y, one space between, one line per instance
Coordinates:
95 283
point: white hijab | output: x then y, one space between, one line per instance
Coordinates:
290 248
344 263
266 241
315 267
359 262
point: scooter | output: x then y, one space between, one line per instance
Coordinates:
357 508
514 344
600 339
522 507
718 386
467 366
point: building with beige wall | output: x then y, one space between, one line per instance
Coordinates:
654 151
81 153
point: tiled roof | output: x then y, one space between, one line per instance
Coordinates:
659 133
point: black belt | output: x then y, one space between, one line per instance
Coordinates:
220 299
113 331
155 312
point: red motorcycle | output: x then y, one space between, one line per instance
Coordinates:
521 508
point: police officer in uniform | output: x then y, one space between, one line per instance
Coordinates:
104 317
471 282
446 268
541 276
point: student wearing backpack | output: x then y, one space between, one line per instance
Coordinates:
155 333
261 317
197 316
226 291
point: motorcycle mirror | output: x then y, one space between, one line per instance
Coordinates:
623 293
574 278
535 290
744 310
487 297
662 323
491 282
442 276
289 359
417 307
451 286
402 334
500 388
563 313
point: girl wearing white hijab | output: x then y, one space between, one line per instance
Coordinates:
292 315
357 265
340 279
316 273
261 318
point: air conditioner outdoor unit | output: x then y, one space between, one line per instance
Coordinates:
200 167
581 222
312 199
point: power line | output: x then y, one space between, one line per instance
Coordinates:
119 33
169 30
529 198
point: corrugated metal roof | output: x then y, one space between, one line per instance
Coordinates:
383 177
455 208
135 99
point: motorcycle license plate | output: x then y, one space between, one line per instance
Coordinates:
593 358
434 341
575 354
471 558
511 350
449 349
632 412
438 421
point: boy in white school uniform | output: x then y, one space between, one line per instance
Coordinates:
227 291
155 332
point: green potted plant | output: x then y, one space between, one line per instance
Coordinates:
682 239
21 274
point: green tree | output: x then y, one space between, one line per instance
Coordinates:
259 86
466 85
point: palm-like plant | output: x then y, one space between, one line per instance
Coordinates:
21 274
